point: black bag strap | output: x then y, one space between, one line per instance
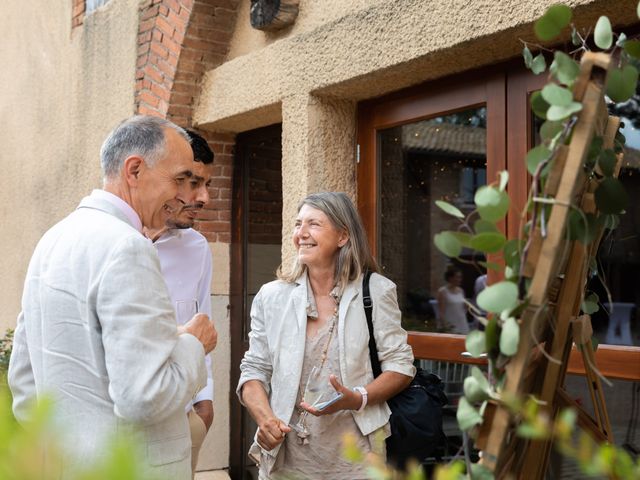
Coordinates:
368 311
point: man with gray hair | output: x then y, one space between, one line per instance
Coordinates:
97 330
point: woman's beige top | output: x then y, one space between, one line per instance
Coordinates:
320 455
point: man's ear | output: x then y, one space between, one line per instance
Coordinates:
131 170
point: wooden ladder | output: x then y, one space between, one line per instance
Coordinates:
558 270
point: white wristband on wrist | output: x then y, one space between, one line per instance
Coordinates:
365 395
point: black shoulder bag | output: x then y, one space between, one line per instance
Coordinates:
416 412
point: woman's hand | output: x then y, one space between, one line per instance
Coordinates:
350 400
271 433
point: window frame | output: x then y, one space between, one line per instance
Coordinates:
505 90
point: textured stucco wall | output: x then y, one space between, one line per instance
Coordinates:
376 48
310 75
61 92
311 15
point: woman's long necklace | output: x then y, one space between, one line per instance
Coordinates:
301 429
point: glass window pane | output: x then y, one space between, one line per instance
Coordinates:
618 322
443 158
264 217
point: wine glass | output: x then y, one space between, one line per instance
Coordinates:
185 310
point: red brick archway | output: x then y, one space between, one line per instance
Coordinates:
178 41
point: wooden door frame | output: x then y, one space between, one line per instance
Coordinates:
507 88
238 308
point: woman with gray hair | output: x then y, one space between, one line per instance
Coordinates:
306 378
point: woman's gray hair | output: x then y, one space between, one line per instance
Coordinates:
355 255
141 135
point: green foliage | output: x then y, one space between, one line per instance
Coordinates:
539 64
450 209
499 297
23 447
539 105
590 304
536 156
492 203
505 301
622 83
467 415
510 337
554 20
603 35
611 197
475 343
564 68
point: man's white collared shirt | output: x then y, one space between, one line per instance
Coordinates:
186 264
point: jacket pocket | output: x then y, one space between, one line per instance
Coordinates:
170 450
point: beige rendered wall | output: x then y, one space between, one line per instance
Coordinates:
61 92
310 76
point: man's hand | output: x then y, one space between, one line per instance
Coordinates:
201 328
271 433
204 409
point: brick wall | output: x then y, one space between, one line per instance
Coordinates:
178 41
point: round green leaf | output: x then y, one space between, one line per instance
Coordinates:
557 112
499 297
564 68
632 47
468 417
611 197
475 343
489 242
603 35
536 156
528 57
492 203
538 64
557 95
463 238
552 22
607 162
473 391
550 130
509 337
581 226
590 304
484 226
480 378
622 83
450 209
448 244
539 106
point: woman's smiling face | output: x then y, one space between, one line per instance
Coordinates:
316 240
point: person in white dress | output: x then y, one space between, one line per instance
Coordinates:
452 309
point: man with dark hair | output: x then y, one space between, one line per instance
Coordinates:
185 261
97 330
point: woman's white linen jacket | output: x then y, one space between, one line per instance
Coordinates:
277 343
